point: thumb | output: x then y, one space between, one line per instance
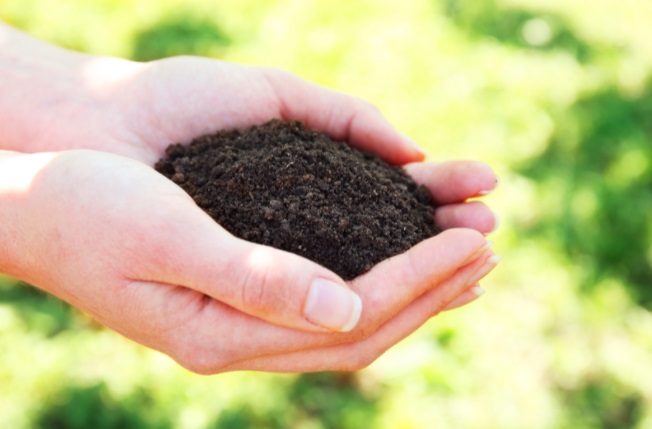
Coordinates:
286 289
274 285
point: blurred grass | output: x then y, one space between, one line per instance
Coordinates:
554 94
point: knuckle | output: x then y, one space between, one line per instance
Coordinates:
264 284
252 288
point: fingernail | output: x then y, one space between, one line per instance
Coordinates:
477 290
332 306
484 269
467 297
489 191
479 251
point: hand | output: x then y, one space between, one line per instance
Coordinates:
121 242
63 100
158 258
137 109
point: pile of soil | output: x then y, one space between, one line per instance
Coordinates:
285 186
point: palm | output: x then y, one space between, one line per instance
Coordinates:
176 100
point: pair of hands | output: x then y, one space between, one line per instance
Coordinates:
94 224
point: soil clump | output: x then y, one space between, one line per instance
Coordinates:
295 189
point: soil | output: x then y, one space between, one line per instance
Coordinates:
295 189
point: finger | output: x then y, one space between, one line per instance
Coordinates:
393 290
467 297
342 117
385 291
474 214
221 338
454 181
357 355
277 286
393 284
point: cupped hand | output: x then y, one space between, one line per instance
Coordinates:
138 109
116 239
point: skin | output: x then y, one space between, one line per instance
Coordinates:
86 218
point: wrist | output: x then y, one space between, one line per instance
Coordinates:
48 92
18 172
32 73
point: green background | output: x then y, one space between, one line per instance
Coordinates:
554 94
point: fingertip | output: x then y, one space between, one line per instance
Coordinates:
477 290
496 223
486 179
418 154
373 132
463 245
332 306
454 181
466 297
473 214
490 189
468 238
444 253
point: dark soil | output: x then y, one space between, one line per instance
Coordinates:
282 185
